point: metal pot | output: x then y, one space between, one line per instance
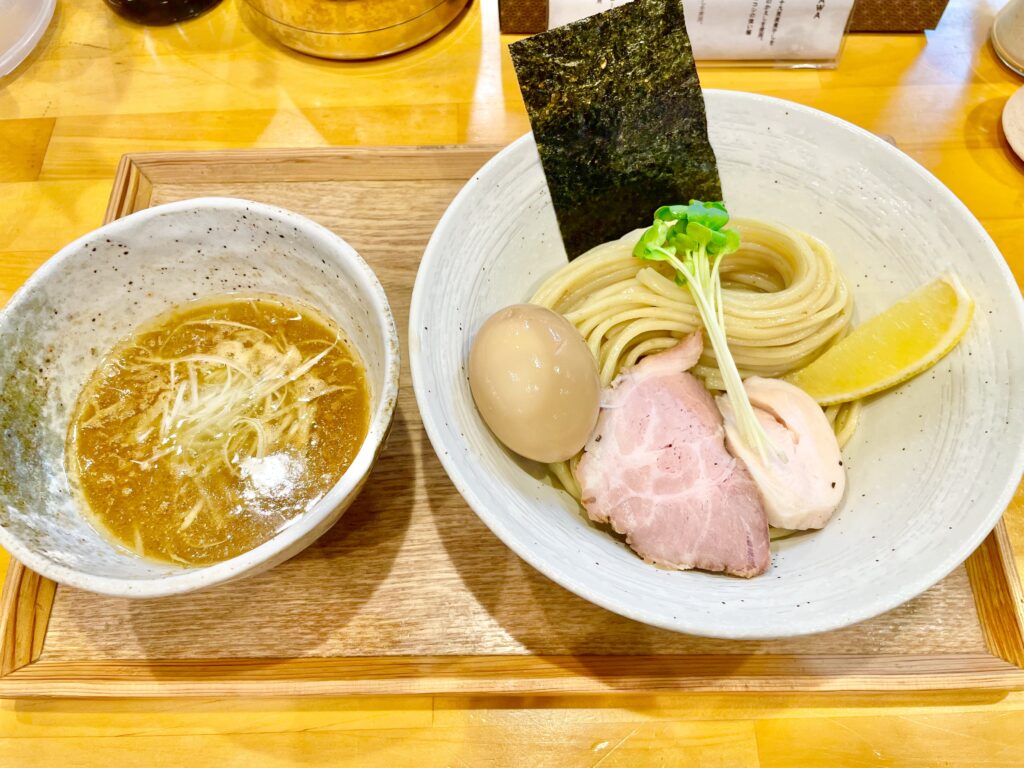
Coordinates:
352 29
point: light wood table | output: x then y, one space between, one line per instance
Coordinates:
98 88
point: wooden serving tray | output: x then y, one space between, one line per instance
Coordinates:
410 593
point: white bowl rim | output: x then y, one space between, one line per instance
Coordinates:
812 624
192 579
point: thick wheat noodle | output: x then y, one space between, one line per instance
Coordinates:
784 298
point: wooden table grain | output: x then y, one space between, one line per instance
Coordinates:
98 87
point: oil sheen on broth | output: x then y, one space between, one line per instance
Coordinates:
215 425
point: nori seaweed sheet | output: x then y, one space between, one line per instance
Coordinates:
618 116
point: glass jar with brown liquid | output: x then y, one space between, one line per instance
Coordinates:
160 12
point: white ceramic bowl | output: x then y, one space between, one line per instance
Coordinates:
931 468
90 295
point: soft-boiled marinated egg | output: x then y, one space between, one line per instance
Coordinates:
535 382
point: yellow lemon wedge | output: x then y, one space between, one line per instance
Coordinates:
904 340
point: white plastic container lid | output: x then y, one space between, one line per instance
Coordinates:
24 22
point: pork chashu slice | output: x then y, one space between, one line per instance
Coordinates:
656 469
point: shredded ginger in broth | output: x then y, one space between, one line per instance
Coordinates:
215 425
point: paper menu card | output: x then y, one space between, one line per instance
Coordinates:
744 30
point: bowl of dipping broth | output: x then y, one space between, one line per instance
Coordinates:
188 395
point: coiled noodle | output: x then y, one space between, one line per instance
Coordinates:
785 303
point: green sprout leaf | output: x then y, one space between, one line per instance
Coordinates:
671 213
699 233
693 240
682 242
711 215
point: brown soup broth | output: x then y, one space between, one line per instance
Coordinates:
215 425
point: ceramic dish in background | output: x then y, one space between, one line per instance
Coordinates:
91 295
931 467
1013 122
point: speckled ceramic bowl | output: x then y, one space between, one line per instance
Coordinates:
92 294
931 467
